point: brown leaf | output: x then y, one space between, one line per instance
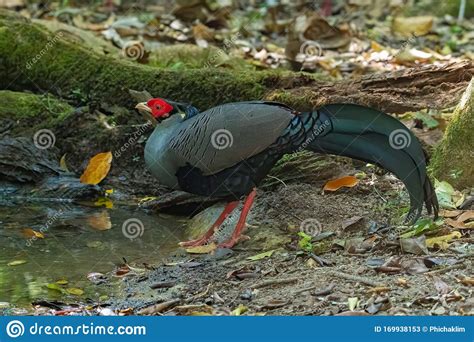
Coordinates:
97 169
410 26
455 224
100 221
347 181
468 215
449 213
30 233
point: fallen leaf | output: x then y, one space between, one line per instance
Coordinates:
62 163
441 286
352 303
442 241
100 221
455 224
350 222
261 255
412 26
17 262
104 202
467 281
202 249
414 245
449 213
468 215
62 282
30 233
347 181
239 310
97 169
75 291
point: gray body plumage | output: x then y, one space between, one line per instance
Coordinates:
215 139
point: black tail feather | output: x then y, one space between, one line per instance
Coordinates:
372 136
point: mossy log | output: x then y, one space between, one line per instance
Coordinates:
34 57
454 156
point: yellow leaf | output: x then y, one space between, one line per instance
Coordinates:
75 291
30 233
97 169
376 46
239 310
103 201
352 303
202 249
109 191
442 241
62 163
335 184
62 282
261 255
16 262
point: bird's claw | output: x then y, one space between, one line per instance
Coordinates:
233 241
193 243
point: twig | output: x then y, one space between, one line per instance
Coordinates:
355 278
446 269
163 284
157 308
275 282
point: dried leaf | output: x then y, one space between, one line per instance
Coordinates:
261 255
442 241
414 245
202 249
62 163
352 303
17 262
449 213
97 169
347 181
468 215
100 221
410 26
30 233
455 224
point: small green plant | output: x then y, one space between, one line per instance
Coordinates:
305 242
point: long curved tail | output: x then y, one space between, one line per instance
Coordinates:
370 135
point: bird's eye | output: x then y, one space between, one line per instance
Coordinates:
158 107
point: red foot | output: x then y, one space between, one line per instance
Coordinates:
194 243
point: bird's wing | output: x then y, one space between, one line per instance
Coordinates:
225 135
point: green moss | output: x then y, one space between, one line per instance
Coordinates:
188 56
29 110
452 159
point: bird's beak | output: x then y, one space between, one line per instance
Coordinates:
143 107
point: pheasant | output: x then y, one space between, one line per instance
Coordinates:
225 152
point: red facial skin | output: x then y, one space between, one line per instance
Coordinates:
159 108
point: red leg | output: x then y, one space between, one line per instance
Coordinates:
241 224
229 208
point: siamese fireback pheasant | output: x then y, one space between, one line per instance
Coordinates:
226 151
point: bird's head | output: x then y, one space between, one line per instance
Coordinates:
158 109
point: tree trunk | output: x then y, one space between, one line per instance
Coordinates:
454 156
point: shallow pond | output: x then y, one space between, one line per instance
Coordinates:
44 244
